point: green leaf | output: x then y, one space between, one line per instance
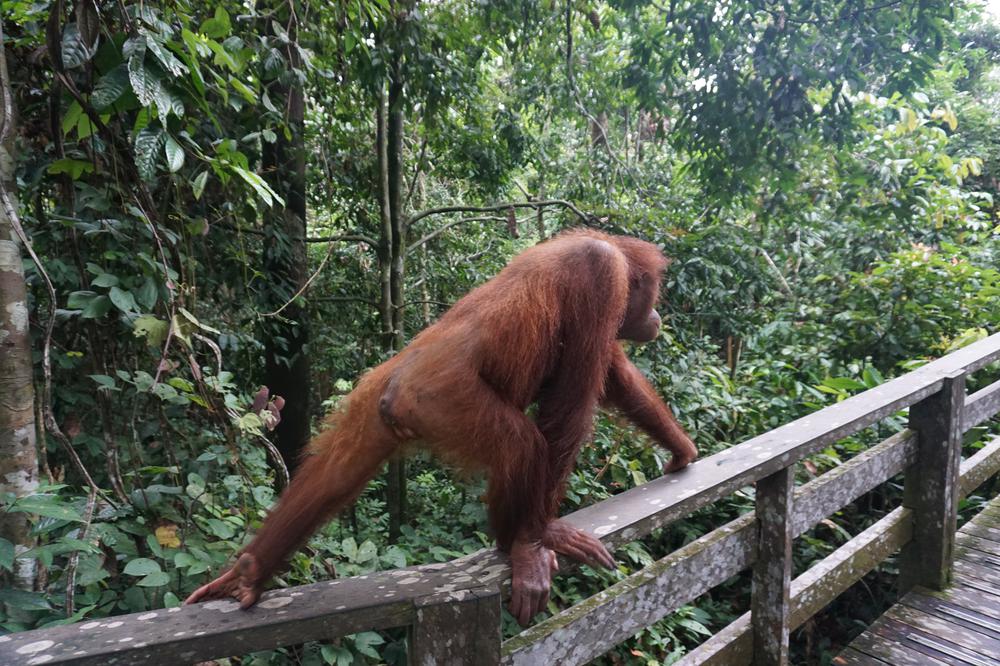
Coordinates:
50 506
103 381
105 280
155 579
147 147
110 87
175 154
198 186
843 383
167 59
260 185
97 308
72 117
6 554
30 601
153 329
365 641
123 300
145 82
217 27
147 293
74 51
142 566
75 168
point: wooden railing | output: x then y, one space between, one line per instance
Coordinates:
452 610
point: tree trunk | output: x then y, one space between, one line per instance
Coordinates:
18 456
396 485
285 262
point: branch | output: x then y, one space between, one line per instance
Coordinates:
322 264
345 238
496 208
437 232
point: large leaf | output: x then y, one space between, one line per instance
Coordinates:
88 21
198 186
74 51
175 154
167 59
260 185
123 300
147 148
6 554
145 82
142 566
46 505
110 87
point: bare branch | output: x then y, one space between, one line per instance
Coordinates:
496 208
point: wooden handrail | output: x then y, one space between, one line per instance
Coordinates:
427 598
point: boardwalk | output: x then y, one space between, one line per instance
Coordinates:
960 626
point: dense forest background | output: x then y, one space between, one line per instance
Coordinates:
213 197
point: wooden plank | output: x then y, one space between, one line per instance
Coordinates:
813 590
592 627
929 646
733 644
979 467
460 628
772 570
968 598
219 628
640 510
969 639
981 531
931 486
981 406
985 574
889 650
978 543
984 586
971 619
977 556
851 657
837 488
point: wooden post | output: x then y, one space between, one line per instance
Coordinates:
460 628
931 486
772 570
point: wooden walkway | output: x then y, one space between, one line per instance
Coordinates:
960 626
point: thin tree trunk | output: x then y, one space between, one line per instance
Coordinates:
396 486
18 455
285 262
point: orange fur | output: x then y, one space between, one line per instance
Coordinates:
541 332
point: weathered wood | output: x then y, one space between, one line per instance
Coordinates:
851 657
813 590
982 531
931 486
931 648
970 639
220 628
981 406
597 624
460 628
985 572
874 643
967 598
969 618
978 543
864 472
388 599
637 512
979 467
772 571
972 582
